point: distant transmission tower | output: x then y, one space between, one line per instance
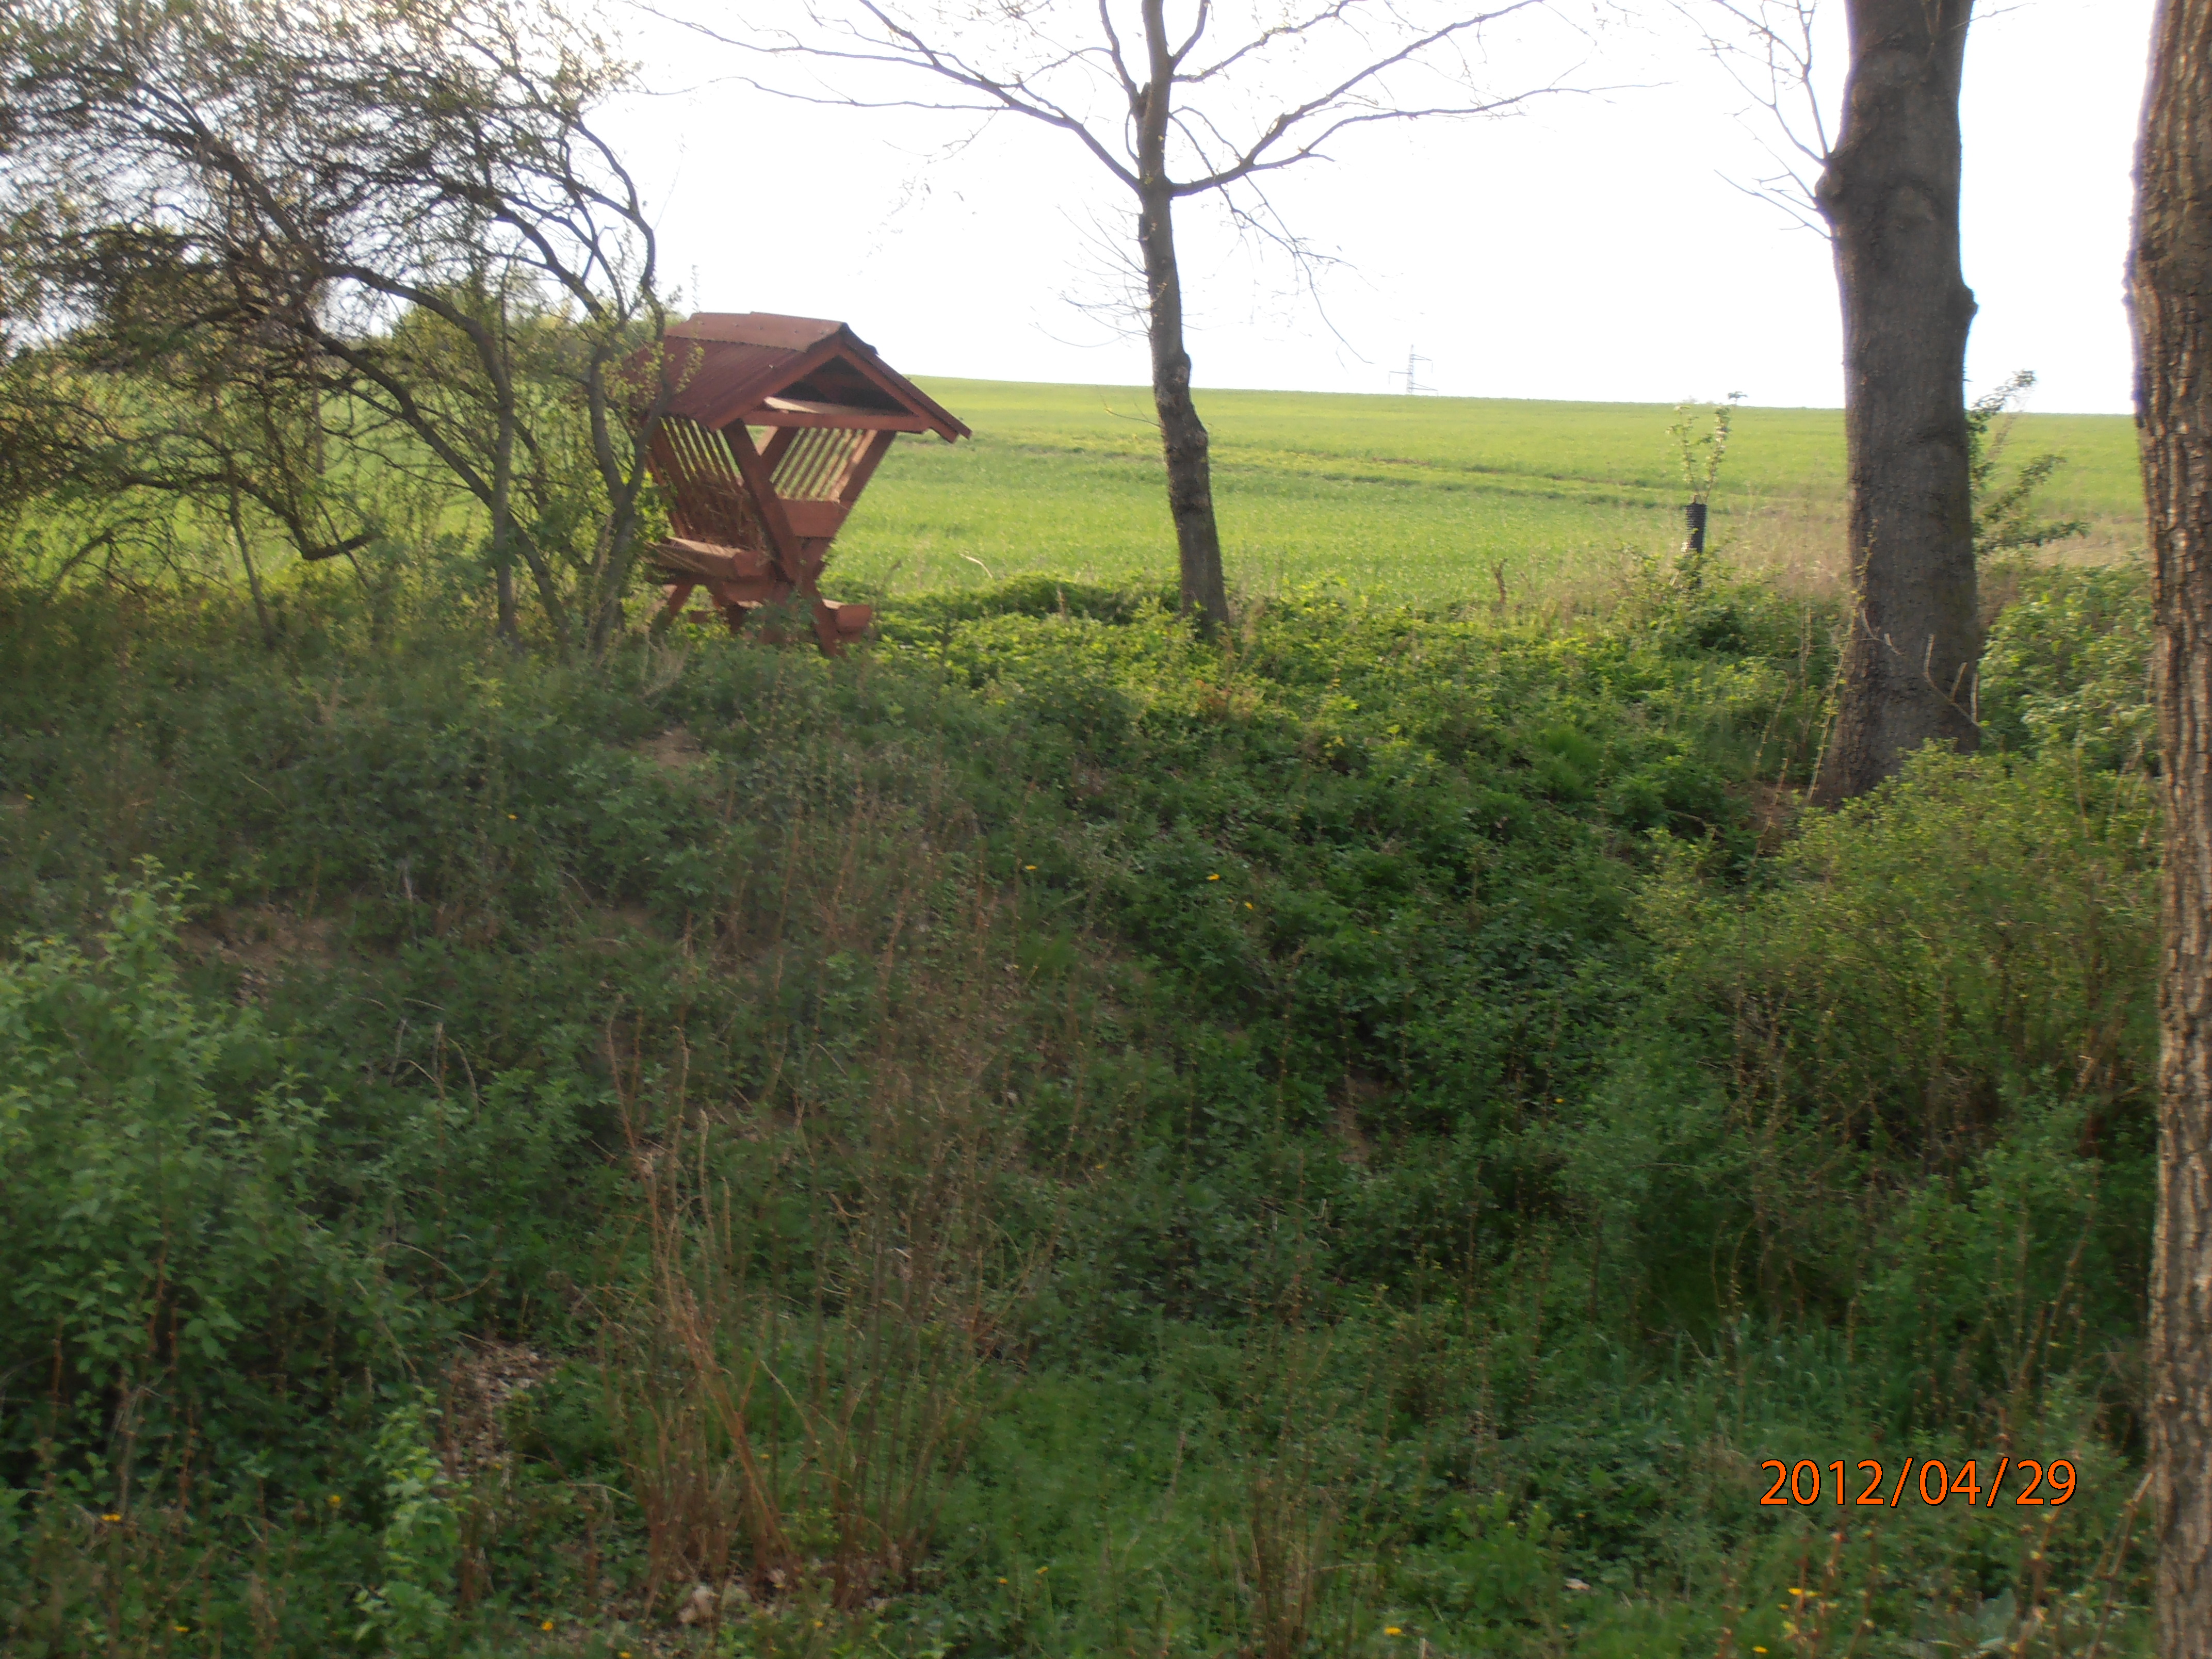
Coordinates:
1411 373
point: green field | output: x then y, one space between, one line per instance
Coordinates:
1430 497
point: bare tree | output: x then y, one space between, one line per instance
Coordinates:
1170 111
1886 190
2170 298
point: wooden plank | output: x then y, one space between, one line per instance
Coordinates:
811 519
683 559
668 472
863 468
781 539
786 412
773 375
764 590
772 330
778 441
888 380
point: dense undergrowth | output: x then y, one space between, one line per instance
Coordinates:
1047 1137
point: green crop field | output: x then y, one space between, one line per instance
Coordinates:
1428 497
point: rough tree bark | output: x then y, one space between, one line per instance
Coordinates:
1890 194
2171 297
1182 435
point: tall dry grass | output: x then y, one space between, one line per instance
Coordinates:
833 1264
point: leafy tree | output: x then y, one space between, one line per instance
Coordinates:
276 206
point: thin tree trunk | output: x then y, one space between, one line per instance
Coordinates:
2171 297
624 482
253 571
1891 196
502 530
1182 435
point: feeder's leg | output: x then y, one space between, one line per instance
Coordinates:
772 636
835 624
679 595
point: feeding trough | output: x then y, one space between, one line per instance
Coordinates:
775 426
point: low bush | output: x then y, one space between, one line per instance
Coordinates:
1048 1136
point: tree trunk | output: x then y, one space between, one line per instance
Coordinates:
237 515
1182 435
1891 196
502 530
2171 297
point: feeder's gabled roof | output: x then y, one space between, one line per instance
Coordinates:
769 370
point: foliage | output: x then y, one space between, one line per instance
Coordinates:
2005 508
1363 1128
1865 1046
2067 669
165 1256
411 1608
277 261
1702 453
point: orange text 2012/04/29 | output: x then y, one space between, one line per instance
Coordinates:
2024 1481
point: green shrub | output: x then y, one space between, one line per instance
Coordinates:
1438 1143
2067 670
1905 1081
166 1262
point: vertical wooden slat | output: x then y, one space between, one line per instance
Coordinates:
870 456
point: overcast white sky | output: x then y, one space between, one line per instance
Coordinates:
1591 249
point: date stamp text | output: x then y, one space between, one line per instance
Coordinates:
2023 1481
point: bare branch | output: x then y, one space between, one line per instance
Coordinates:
1767 49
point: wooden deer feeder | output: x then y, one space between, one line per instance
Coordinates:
775 426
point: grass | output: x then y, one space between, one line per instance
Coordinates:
1043 1137
1434 499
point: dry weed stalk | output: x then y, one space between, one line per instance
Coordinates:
811 1355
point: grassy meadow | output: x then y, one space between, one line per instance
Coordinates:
1435 499
535 1128
1047 1137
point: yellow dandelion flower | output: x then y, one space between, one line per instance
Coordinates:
510 817
111 1517
1029 866
1392 1630
1794 1590
1213 878
548 1624
334 1500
